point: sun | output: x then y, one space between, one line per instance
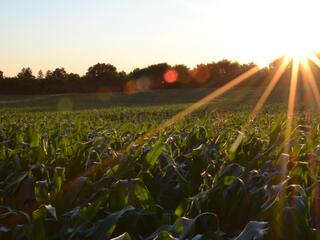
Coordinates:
285 28
298 36
298 50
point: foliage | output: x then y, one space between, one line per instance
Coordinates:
105 78
74 175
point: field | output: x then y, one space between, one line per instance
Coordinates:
98 167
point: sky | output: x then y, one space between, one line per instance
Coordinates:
76 34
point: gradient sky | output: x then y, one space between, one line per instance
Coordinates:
75 34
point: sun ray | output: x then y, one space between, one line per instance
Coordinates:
284 158
309 76
211 97
109 161
275 79
220 91
292 100
314 58
308 98
291 104
311 85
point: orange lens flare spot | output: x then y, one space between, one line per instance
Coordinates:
143 84
171 76
201 74
131 87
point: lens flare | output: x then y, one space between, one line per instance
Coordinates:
131 87
201 74
171 76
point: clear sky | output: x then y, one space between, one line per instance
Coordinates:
75 34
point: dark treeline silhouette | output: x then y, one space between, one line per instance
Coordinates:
105 77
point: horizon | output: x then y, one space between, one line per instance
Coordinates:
47 35
128 72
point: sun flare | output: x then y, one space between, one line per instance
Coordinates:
298 52
299 47
283 28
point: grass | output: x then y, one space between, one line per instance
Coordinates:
96 172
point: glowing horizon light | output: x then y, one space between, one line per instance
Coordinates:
299 45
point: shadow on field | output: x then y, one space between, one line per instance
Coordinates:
66 102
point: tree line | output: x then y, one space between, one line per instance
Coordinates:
105 77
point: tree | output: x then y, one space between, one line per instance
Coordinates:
101 71
59 74
155 73
227 67
184 76
40 75
25 74
104 75
48 73
201 73
73 77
